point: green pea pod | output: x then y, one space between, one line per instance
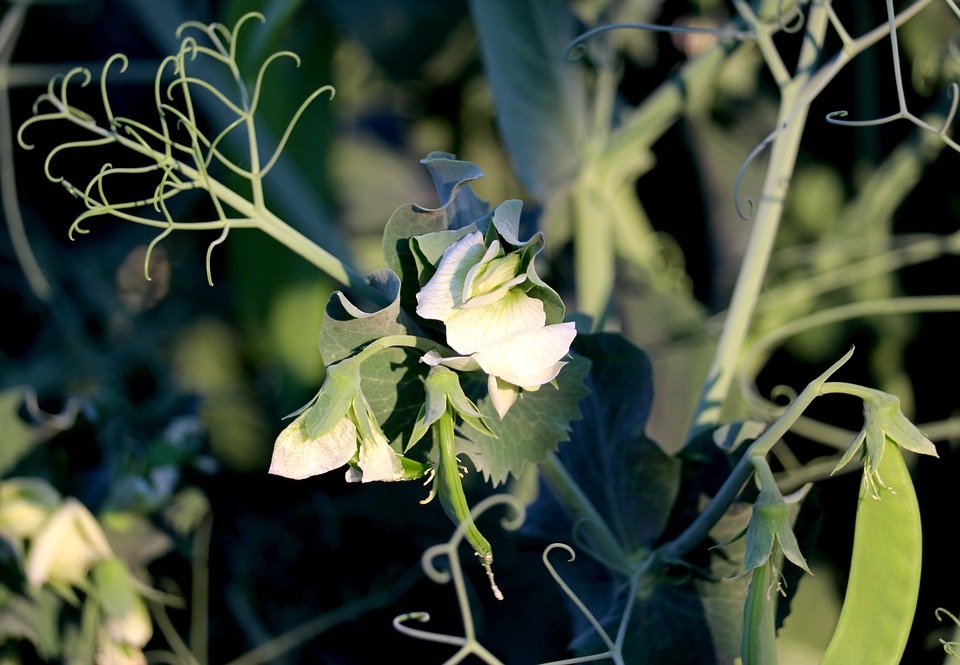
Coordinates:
884 572
758 646
450 489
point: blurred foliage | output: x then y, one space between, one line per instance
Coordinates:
155 405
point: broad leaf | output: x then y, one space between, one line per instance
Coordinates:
630 481
634 485
533 427
459 207
392 379
18 438
539 95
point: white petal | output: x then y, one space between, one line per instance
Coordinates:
441 296
529 358
477 328
295 456
502 394
68 543
459 363
379 461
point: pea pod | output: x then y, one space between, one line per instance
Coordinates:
884 578
758 645
450 490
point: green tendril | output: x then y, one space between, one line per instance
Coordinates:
746 200
576 49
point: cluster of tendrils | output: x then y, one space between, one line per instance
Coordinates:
903 113
176 152
453 572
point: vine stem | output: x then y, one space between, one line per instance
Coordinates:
783 156
582 509
695 534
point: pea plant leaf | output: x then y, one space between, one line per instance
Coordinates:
633 484
533 427
459 207
539 95
391 380
630 481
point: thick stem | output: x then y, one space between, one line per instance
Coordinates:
783 156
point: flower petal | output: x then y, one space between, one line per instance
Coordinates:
378 460
441 297
296 456
502 395
476 328
529 358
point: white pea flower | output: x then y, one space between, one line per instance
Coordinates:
338 428
478 293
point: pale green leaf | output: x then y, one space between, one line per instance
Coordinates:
533 427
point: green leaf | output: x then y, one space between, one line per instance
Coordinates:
533 427
539 95
459 207
450 176
18 438
346 328
633 484
392 380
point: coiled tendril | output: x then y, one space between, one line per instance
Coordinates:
175 150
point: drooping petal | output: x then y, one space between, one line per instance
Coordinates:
474 329
297 456
378 460
441 297
502 395
68 544
529 358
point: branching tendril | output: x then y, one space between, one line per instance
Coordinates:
903 113
175 149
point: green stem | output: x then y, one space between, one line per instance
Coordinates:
783 156
695 534
583 512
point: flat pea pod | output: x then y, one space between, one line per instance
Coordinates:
884 581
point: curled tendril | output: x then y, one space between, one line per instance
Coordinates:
576 48
263 70
785 26
952 647
468 643
177 152
574 598
124 62
236 30
423 617
783 395
510 522
903 113
293 122
746 200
